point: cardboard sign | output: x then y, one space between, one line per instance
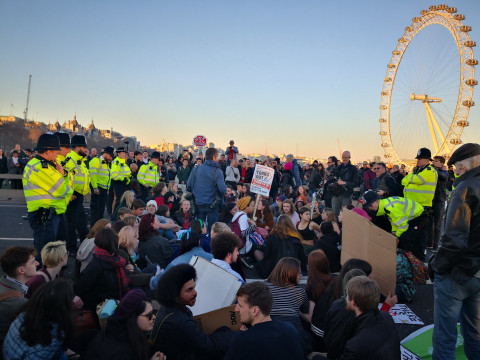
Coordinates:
216 288
402 314
262 180
212 320
200 141
363 240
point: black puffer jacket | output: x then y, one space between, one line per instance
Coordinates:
349 174
459 248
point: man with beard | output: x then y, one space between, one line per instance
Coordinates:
75 164
174 332
264 338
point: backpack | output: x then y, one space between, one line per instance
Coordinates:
419 269
235 227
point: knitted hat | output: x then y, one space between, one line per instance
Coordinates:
129 304
281 197
288 166
244 202
152 202
362 212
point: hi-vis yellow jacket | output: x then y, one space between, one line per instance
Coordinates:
120 170
420 187
76 165
399 211
99 173
148 174
44 186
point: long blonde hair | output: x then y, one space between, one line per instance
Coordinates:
128 196
127 237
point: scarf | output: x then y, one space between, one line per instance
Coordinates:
118 263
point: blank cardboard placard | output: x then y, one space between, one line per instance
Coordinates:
216 288
363 240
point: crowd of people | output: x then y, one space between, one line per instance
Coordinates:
151 213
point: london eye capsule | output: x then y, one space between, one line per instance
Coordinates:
471 62
463 123
402 40
433 8
424 12
383 107
452 10
471 82
468 103
387 79
391 66
416 19
385 93
385 145
455 141
465 28
382 120
396 52
442 7
459 17
408 28
470 43
383 133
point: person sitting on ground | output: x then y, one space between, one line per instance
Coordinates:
242 225
302 195
329 216
104 277
122 212
190 247
19 265
290 302
264 338
158 192
118 225
288 209
307 229
373 334
228 212
331 244
174 332
125 201
184 216
87 247
54 258
167 226
45 328
152 247
230 196
124 336
198 226
264 215
225 247
127 245
138 207
284 240
276 207
132 221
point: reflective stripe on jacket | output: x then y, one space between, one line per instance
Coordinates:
99 173
420 187
148 174
45 187
120 170
76 165
399 211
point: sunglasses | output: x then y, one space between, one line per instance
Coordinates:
150 315
376 168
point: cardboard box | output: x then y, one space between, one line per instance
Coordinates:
211 321
363 240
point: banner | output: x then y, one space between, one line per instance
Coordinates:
262 180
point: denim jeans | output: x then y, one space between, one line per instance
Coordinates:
205 213
454 303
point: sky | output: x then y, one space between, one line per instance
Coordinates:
275 74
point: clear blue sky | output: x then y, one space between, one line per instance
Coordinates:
260 72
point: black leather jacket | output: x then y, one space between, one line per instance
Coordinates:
459 248
349 174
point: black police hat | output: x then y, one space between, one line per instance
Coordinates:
464 152
121 149
47 141
64 139
108 150
78 140
155 155
369 197
424 153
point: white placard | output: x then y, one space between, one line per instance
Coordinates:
262 180
402 314
408 355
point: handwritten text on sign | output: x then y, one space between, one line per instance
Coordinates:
262 180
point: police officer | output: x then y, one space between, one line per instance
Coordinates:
149 174
420 186
406 217
46 189
99 183
65 148
75 163
120 175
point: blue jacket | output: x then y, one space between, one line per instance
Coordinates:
296 173
202 183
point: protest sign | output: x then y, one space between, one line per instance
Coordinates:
211 321
407 355
402 314
363 240
200 141
262 180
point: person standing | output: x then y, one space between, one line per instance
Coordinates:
264 338
3 165
100 183
208 188
232 175
120 175
456 265
149 174
75 163
47 190
231 152
438 203
15 168
347 179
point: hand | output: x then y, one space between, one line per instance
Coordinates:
267 228
391 300
73 198
251 222
96 191
341 182
147 186
129 268
243 328
59 168
380 192
77 303
159 356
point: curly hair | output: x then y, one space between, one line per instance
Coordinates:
172 281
